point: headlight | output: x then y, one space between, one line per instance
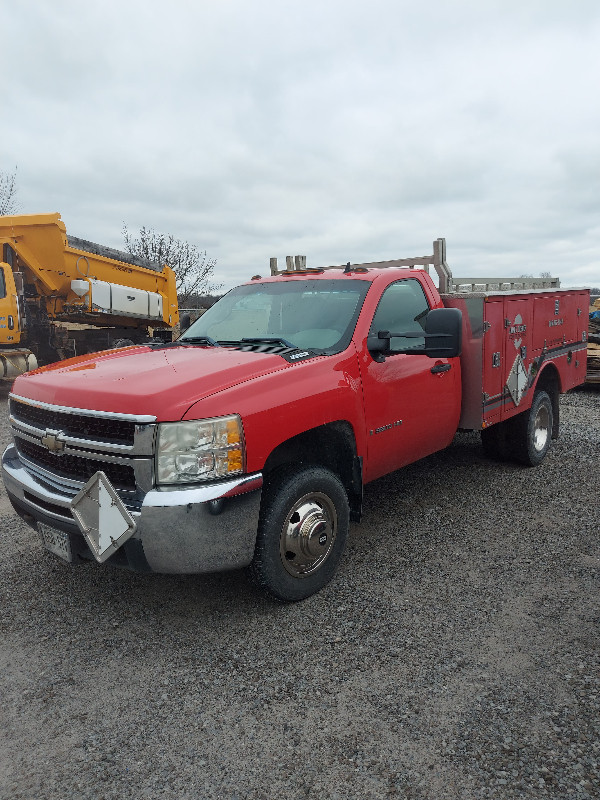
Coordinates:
199 450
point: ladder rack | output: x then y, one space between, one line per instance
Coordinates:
437 260
448 284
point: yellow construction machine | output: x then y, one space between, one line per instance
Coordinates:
61 296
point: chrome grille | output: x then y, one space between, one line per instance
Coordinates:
76 468
87 427
66 446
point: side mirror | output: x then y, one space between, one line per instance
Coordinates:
442 334
378 344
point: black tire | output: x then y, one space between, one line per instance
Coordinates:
497 441
532 431
302 533
121 343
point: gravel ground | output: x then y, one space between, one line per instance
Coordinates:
454 656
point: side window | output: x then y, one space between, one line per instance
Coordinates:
402 307
8 255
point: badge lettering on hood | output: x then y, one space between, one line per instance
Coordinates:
296 355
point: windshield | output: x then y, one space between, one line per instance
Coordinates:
313 315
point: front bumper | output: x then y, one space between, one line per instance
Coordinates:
179 530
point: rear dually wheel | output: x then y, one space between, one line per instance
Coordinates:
533 431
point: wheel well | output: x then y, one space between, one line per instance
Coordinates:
332 446
549 381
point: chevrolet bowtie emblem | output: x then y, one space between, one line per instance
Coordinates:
52 442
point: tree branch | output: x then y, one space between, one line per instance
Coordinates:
192 267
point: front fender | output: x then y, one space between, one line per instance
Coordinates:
285 403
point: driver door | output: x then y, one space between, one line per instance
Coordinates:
411 402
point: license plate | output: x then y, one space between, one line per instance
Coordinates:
56 541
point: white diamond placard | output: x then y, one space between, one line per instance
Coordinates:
102 517
517 380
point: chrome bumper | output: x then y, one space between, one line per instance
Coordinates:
192 530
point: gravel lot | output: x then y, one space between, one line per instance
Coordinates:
455 655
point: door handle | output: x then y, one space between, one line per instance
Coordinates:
441 368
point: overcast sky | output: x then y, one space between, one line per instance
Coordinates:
344 130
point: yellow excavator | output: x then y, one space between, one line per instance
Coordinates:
61 296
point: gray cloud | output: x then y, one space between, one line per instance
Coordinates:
343 130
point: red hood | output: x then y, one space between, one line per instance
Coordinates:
163 382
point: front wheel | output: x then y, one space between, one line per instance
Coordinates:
302 533
533 431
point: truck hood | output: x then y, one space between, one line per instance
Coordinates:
162 382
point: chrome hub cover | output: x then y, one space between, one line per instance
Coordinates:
308 534
541 430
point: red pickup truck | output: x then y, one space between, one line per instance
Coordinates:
247 442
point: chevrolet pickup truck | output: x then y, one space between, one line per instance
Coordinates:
248 441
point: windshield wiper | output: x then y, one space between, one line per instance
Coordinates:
199 340
268 340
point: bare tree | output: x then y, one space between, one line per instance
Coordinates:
8 193
530 275
192 267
